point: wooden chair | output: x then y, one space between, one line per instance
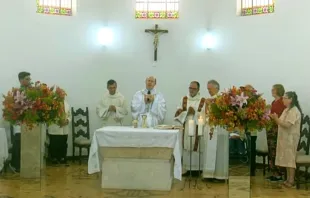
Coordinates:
264 155
80 131
303 157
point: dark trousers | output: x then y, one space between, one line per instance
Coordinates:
272 137
253 155
58 146
236 146
15 162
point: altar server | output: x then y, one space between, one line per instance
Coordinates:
58 137
113 106
149 102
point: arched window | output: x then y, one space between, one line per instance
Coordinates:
157 9
254 7
55 7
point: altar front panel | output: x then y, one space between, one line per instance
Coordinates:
137 168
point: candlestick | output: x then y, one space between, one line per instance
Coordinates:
191 127
200 126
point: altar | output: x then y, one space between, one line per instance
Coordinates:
136 158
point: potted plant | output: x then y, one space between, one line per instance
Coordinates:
32 108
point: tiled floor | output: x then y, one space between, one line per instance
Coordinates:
74 182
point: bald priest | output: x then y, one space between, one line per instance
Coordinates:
149 102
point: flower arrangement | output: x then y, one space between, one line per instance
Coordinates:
241 109
34 105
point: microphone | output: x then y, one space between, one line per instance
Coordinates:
148 93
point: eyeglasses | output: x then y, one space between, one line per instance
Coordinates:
192 88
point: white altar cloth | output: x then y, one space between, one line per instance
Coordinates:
121 136
4 149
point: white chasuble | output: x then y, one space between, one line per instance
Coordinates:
155 111
197 103
216 157
112 118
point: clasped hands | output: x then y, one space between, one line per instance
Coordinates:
148 98
63 123
274 116
112 108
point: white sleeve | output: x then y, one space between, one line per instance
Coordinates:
122 111
137 105
159 108
68 111
102 109
182 117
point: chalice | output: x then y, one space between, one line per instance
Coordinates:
144 124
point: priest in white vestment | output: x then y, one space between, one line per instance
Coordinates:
191 107
216 157
113 106
149 102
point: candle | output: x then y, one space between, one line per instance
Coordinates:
200 126
191 127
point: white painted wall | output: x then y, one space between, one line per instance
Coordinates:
261 50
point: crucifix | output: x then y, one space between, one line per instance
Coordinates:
156 33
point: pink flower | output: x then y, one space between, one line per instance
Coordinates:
239 100
266 114
242 99
20 97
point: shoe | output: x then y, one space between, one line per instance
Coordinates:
276 179
288 185
208 179
55 161
14 170
62 161
218 180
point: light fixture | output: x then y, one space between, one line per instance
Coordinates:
209 41
105 36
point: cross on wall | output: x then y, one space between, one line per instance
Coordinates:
156 31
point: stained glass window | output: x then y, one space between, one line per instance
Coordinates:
157 9
254 7
55 7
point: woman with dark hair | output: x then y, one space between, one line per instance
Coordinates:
277 107
288 136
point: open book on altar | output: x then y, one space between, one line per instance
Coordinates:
168 127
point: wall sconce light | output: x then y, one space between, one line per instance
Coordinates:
105 36
209 41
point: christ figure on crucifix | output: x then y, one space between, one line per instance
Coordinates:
156 33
